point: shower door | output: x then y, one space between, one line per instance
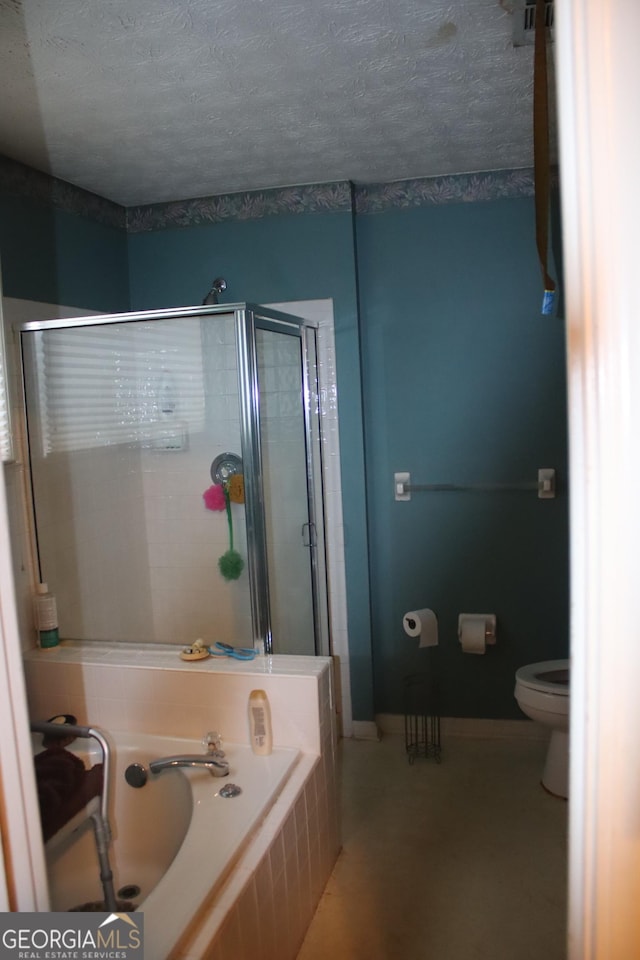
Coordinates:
290 453
294 534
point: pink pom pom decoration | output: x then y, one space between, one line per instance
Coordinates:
214 498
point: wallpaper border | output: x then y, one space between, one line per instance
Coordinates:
247 205
432 191
24 181
338 197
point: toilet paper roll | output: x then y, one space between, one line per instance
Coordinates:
473 635
422 623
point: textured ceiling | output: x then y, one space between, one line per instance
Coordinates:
143 101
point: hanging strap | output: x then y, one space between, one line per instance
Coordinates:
541 153
227 501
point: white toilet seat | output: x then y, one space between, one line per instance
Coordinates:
532 676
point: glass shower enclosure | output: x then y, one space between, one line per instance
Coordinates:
176 474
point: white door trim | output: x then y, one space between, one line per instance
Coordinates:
598 80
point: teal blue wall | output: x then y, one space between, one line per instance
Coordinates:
50 255
445 369
279 258
464 381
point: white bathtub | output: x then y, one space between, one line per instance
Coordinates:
176 838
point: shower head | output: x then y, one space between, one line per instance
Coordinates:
218 286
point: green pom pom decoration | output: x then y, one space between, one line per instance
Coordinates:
231 565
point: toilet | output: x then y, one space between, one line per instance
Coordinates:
542 692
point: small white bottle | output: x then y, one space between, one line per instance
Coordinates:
260 733
46 617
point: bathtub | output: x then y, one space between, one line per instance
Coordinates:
175 840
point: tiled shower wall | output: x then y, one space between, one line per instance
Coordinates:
90 503
184 539
145 501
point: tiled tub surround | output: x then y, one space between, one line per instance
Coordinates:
268 899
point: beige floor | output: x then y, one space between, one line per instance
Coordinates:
465 860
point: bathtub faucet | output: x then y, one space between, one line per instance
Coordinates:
215 766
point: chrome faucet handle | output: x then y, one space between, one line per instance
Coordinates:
212 742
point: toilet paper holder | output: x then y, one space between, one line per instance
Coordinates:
489 625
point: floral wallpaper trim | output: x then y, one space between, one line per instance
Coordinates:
461 188
255 204
331 197
248 205
25 181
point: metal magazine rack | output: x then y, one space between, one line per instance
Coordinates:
422 717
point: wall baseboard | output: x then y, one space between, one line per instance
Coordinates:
478 728
365 730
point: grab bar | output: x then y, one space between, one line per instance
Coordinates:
481 487
545 486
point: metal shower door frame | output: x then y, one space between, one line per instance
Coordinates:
250 318
247 318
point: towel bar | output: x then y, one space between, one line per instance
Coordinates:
545 486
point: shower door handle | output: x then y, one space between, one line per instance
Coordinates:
309 534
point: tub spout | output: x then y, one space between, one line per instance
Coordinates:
216 767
